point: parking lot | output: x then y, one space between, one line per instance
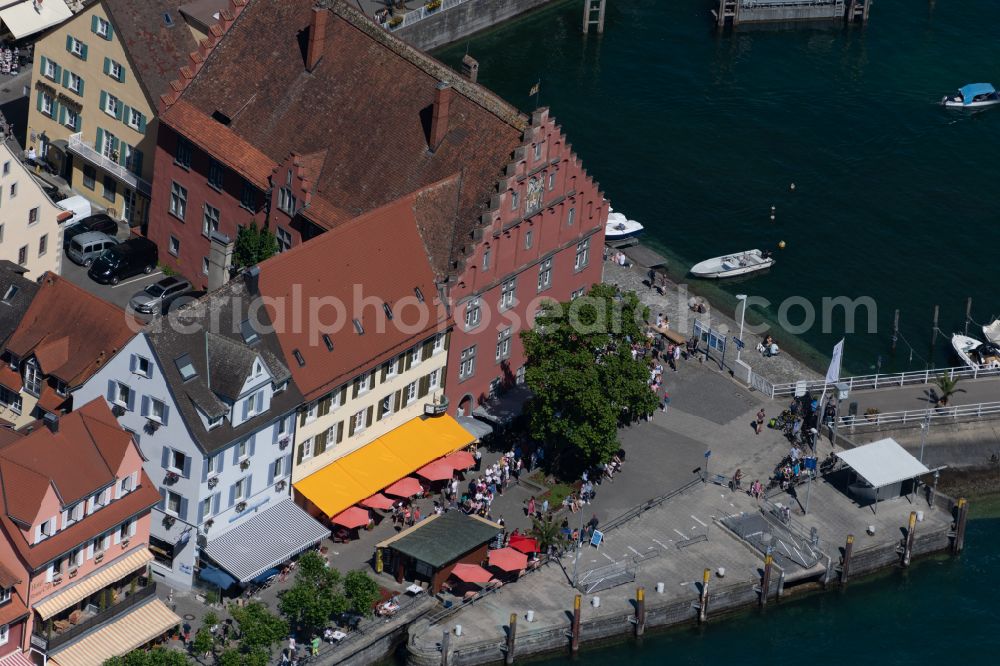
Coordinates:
117 294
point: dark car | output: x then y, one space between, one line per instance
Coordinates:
134 256
159 295
101 223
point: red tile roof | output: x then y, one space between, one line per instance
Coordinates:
367 104
13 610
69 330
377 256
77 461
7 577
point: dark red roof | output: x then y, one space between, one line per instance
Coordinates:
363 114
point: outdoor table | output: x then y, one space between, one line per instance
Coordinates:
337 636
414 589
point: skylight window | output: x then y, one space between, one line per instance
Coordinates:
298 357
250 334
168 20
186 367
328 342
420 294
388 311
358 327
11 293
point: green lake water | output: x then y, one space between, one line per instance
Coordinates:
697 135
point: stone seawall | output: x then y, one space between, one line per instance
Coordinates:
463 20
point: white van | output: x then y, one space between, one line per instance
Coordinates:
78 205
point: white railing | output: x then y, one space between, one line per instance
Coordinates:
920 416
409 18
882 381
87 152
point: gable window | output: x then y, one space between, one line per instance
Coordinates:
22 255
123 394
286 200
114 69
392 367
507 291
515 200
4 595
582 254
71 119
210 220
43 245
277 468
32 378
50 70
112 106
214 422
177 461
503 344
102 27
552 181
415 356
538 151
366 382
243 450
545 274
182 155
178 200
486 259
252 404
174 246
472 313
5 629
136 120
156 410
76 47
46 529
216 173
284 238
467 363
173 504
528 239
571 217
438 343
125 486
33 216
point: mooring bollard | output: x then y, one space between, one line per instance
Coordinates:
845 568
640 611
703 604
963 513
781 584
908 544
765 579
445 644
574 642
509 657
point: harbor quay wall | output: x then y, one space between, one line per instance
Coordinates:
463 20
618 624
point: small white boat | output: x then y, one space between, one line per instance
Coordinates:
732 265
972 96
618 227
992 332
976 354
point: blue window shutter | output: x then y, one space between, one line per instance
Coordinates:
43 61
62 115
201 511
142 123
57 74
232 495
163 499
216 500
249 485
137 162
39 100
270 473
112 390
252 447
80 92
111 32
131 400
118 111
222 463
187 467
246 404
145 405
107 65
204 470
236 454
165 458
65 78
69 43
124 117
104 100
166 414
183 512
93 24
132 363
99 144
287 467
83 52
121 76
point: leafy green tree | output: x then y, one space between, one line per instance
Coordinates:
585 382
253 245
203 643
156 657
259 629
362 591
315 597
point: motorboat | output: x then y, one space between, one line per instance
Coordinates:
732 265
972 96
975 353
618 227
992 332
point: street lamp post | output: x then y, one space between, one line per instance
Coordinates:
924 427
743 312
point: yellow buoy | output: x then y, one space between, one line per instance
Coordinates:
781 245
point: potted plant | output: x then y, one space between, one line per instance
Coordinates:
947 387
242 506
73 572
151 426
172 477
871 413
99 557
395 21
280 485
168 522
213 482
432 5
245 464
208 524
118 410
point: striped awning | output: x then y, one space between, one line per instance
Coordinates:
271 537
139 627
98 580
16 658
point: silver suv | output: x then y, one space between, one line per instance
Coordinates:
159 294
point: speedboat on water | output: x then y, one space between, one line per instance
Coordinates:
992 332
732 265
618 227
976 354
972 96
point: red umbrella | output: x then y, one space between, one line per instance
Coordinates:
378 501
508 559
460 460
471 573
523 543
405 487
439 470
352 518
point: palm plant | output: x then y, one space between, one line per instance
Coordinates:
947 387
548 533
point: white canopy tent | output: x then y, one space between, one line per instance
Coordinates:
32 16
883 463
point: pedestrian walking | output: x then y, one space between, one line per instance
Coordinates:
479 459
531 507
760 420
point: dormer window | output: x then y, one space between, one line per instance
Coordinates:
186 367
4 595
258 369
32 378
45 530
10 293
214 422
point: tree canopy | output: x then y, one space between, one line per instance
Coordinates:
585 382
156 657
253 245
362 591
315 596
260 630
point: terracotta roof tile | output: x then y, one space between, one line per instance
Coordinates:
13 609
7 577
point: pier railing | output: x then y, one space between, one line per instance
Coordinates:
409 18
882 381
914 417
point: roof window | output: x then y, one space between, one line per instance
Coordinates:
388 311
420 294
298 357
186 367
328 342
168 20
11 293
358 327
250 334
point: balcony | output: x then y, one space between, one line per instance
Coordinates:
80 147
56 633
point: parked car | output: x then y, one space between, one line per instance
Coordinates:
157 296
100 222
134 256
78 205
87 247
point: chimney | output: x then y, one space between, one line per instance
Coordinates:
470 68
439 118
252 278
317 37
220 258
51 421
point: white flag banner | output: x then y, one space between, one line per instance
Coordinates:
833 372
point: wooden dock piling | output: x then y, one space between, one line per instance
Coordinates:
765 580
703 602
845 568
963 514
445 646
574 641
511 636
911 530
640 611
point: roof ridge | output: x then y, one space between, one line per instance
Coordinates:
472 91
93 442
